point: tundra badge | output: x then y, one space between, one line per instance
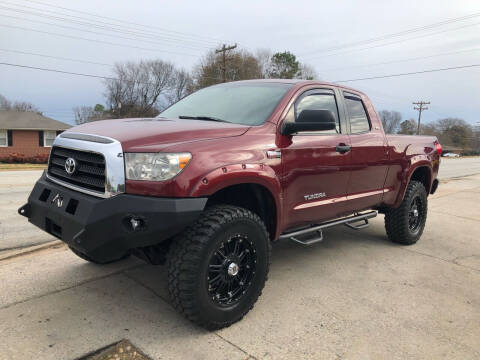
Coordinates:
315 196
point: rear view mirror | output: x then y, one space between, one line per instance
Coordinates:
310 120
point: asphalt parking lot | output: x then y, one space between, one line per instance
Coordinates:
353 296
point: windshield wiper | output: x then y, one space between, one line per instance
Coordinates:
201 117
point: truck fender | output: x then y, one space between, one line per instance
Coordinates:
236 174
413 164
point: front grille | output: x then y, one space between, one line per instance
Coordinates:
89 171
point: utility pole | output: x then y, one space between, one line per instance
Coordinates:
224 50
421 107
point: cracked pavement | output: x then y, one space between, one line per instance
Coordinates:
353 296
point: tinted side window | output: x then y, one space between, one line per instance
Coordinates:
358 117
320 101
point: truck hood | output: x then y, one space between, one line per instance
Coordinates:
155 134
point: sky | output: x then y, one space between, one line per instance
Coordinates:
335 37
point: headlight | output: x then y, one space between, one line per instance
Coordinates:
155 166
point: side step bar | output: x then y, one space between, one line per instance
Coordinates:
348 221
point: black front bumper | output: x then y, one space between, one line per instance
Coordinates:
102 228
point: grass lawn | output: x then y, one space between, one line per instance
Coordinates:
4 167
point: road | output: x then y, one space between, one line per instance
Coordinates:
458 167
16 232
353 296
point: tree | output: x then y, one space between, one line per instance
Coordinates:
182 86
264 58
5 104
84 114
22 106
408 127
429 129
240 65
25 107
476 139
455 131
307 72
139 89
390 120
284 66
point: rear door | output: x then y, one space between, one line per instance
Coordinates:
316 170
369 155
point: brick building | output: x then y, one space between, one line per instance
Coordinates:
27 134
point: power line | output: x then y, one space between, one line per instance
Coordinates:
396 99
90 25
402 60
101 33
96 41
337 81
55 57
396 42
59 71
398 34
75 73
206 38
409 73
171 33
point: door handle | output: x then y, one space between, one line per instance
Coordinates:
343 148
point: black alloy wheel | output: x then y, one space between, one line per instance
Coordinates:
231 270
415 214
218 266
405 224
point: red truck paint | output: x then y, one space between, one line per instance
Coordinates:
374 174
244 186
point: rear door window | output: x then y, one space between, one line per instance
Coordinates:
359 122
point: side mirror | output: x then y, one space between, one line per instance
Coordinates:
310 120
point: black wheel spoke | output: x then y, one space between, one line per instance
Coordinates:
214 279
415 214
236 247
214 267
231 270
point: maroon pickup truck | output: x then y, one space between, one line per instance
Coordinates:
212 181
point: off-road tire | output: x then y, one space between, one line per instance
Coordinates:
89 259
189 262
397 219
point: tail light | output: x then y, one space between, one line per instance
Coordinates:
438 147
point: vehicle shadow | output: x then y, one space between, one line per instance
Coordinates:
338 244
138 292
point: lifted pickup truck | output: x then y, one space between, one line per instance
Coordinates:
211 182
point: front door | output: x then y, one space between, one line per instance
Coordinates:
369 157
316 164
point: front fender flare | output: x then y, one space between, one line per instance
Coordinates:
236 174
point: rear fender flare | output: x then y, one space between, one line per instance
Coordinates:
413 164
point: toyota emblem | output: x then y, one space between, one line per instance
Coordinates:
70 165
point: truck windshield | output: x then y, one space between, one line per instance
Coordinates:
239 103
